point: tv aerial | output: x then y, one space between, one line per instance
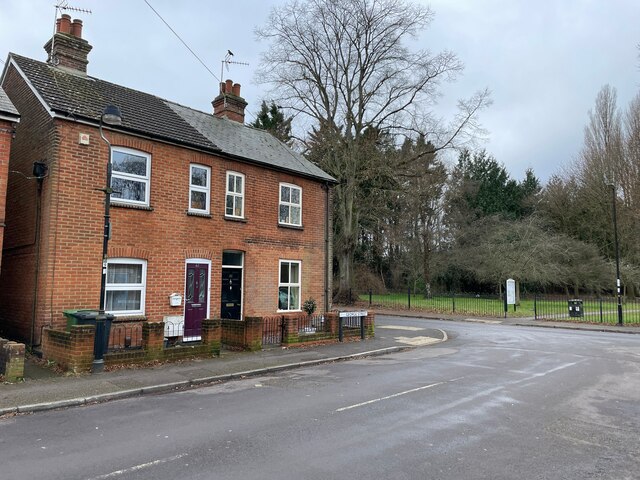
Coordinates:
226 61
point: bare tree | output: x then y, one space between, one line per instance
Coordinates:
631 167
343 66
495 249
423 199
602 154
580 203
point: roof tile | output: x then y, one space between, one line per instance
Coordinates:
82 96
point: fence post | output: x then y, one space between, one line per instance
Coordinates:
506 307
362 319
409 298
453 302
370 295
535 306
283 329
340 332
601 310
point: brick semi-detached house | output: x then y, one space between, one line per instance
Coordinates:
9 117
222 214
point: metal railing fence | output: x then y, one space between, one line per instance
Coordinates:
593 309
272 330
308 324
125 336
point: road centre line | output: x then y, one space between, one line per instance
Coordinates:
493 390
136 468
369 402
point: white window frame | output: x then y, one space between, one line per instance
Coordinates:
290 284
198 188
289 204
234 194
146 179
142 287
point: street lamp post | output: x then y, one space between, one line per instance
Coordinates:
110 116
615 233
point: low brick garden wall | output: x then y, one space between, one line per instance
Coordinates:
245 335
295 331
11 360
73 350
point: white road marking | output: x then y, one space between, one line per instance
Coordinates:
417 341
388 397
553 370
482 320
445 337
135 468
423 340
400 327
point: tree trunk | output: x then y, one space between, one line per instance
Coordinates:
346 240
344 294
426 260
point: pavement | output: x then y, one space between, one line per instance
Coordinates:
45 389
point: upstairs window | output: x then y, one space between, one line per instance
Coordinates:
199 189
289 285
130 174
234 206
290 207
126 284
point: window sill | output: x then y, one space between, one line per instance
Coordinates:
198 214
289 311
130 205
292 227
235 219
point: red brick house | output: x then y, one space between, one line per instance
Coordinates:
210 218
9 117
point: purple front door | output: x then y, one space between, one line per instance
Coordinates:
196 299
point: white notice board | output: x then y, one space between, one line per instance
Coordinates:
511 291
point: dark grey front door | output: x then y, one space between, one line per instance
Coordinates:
231 293
196 298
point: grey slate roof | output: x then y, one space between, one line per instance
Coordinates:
248 142
6 107
84 97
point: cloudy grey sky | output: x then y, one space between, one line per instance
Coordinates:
544 61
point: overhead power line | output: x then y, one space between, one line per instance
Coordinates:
183 42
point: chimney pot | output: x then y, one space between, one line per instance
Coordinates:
65 23
76 28
229 103
67 48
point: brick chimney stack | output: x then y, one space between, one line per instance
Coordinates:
67 48
229 103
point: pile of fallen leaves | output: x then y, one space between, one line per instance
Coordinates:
148 364
41 362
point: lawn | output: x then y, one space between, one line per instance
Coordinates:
594 310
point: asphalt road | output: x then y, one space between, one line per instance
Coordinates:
494 402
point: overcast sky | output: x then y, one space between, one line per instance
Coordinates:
544 61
